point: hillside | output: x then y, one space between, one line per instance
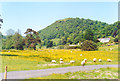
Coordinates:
72 29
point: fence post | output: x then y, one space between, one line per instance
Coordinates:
5 76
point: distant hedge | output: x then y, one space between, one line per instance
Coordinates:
71 47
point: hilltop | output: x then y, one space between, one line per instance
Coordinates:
72 30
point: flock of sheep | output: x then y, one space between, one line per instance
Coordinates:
83 62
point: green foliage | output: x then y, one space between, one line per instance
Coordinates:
18 41
60 47
9 42
56 41
88 45
99 43
71 47
89 35
32 39
73 30
116 40
49 43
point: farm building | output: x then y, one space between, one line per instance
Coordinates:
104 40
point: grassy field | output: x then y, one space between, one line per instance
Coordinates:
102 73
17 60
109 48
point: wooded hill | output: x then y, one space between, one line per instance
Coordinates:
72 30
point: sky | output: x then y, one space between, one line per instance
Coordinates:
38 15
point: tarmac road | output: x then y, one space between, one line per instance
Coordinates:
46 72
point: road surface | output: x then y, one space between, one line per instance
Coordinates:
46 72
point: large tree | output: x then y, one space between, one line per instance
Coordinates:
18 41
32 39
9 42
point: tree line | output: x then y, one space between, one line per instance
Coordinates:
62 32
14 40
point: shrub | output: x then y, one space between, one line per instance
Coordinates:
60 47
100 44
89 45
71 47
116 40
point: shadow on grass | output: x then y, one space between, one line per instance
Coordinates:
7 55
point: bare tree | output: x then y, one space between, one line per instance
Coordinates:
10 32
18 31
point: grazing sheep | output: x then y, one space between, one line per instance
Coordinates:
61 59
53 61
80 54
72 61
94 60
83 63
100 60
111 48
61 62
85 60
109 60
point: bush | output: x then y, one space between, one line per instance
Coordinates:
89 45
60 47
116 40
71 47
100 44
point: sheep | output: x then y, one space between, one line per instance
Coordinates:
61 62
83 63
100 60
109 60
53 61
72 61
94 60
80 54
111 48
61 59
85 60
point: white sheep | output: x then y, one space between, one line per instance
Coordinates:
85 60
80 54
100 60
53 61
83 63
94 60
109 60
72 61
61 59
61 62
111 48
